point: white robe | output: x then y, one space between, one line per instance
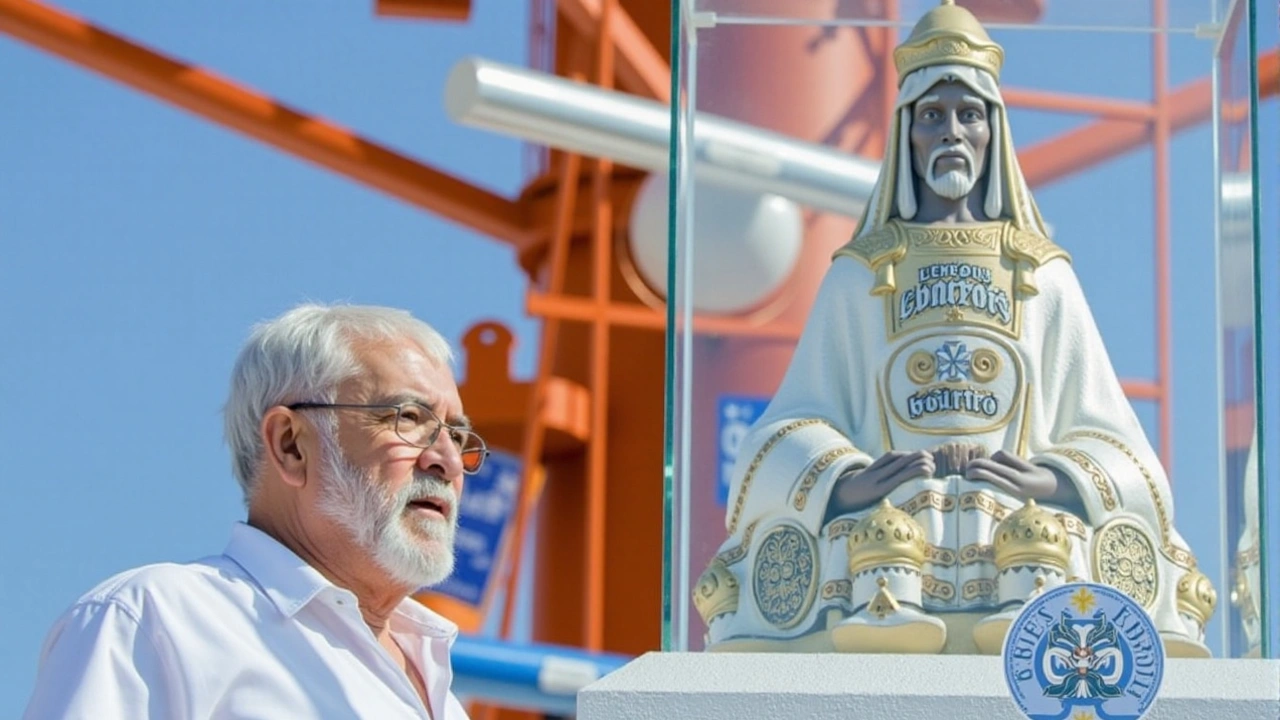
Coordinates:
1065 408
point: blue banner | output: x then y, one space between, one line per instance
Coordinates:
488 505
735 415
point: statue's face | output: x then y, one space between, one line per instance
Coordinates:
949 137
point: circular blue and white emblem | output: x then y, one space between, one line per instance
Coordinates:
1083 651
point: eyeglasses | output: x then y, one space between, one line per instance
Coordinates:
415 424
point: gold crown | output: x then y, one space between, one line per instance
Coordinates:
948 35
1196 596
1031 535
717 591
887 536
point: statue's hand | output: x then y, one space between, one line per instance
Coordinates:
861 487
1018 477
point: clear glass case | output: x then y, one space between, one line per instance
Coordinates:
1098 320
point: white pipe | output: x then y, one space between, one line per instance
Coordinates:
577 117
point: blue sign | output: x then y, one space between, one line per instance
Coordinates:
1083 650
735 413
488 505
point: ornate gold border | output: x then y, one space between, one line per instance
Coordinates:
1019 386
1176 555
814 576
760 455
1095 559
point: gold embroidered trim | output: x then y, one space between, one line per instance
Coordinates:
940 556
982 502
759 458
811 477
1176 555
1095 473
979 589
1023 245
976 553
734 554
1073 524
838 590
938 589
929 499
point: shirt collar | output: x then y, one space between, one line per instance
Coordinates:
284 577
291 583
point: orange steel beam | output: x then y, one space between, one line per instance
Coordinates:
258 116
424 9
1083 104
641 68
1161 133
531 453
1084 147
602 267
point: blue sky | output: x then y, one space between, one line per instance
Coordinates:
141 242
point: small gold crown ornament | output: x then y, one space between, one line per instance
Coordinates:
948 35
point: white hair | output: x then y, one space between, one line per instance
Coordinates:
302 356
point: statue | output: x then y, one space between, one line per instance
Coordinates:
950 438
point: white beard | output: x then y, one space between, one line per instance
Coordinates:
953 185
413 551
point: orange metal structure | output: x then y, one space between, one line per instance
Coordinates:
588 425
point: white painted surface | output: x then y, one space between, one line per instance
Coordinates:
890 687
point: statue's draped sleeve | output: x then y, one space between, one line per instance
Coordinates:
807 436
1083 423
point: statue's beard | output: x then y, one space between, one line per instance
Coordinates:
953 184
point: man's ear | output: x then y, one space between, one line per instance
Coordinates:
281 432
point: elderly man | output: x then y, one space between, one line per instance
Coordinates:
950 437
350 445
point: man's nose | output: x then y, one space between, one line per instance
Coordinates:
442 457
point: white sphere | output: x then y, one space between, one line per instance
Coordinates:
744 244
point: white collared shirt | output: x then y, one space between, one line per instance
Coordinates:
252 633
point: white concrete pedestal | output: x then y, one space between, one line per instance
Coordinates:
890 687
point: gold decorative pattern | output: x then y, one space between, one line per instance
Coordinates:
736 553
921 367
976 553
838 590
929 499
1037 249
984 366
947 35
981 502
886 536
940 556
717 591
1073 524
980 589
841 528
876 248
1176 555
1095 473
937 589
1124 558
759 458
785 576
976 237
811 477
1031 536
1196 596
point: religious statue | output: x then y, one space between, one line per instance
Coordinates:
950 438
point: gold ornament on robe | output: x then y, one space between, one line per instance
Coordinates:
1031 535
1196 596
717 591
887 536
